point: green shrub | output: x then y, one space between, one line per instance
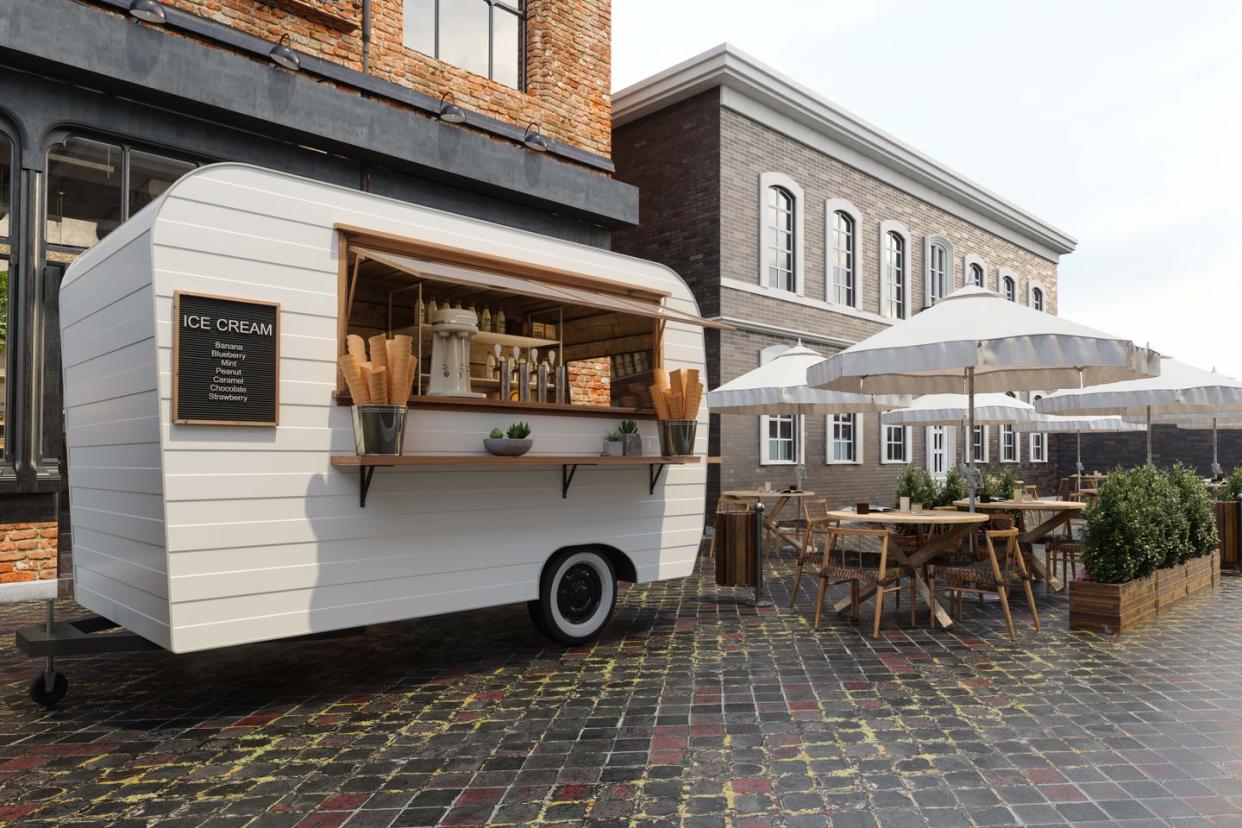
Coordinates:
1137 517
953 488
1007 484
1232 490
1196 507
917 484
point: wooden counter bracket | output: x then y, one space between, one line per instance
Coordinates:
367 465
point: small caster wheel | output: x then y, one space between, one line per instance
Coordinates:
41 695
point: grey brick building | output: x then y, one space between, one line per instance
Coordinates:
793 219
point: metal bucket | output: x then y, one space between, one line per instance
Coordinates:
677 437
379 429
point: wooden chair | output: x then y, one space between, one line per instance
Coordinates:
1065 554
865 567
993 574
796 526
1065 489
817 524
1031 490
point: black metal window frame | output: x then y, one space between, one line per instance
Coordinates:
127 146
10 134
518 9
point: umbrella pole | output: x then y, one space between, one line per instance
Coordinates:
972 478
1078 463
1149 435
1216 470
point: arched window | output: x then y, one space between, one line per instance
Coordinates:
976 274
844 259
1037 298
895 275
937 273
781 241
1009 288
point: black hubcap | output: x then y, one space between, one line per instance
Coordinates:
579 593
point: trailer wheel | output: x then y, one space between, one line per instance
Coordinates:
41 695
577 594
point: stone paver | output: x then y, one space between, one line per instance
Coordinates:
695 709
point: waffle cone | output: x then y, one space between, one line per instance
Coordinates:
379 351
658 401
676 407
661 379
356 346
377 384
693 401
690 377
398 371
354 381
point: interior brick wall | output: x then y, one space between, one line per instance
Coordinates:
28 552
590 381
568 57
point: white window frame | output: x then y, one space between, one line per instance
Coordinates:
830 441
1017 445
1036 285
1003 274
768 180
799 432
1037 438
907 445
936 240
950 450
968 261
987 446
888 226
831 207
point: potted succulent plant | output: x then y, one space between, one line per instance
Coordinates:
613 445
631 439
513 443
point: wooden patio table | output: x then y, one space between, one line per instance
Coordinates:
956 524
771 516
1062 512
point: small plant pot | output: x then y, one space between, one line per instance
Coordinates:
633 444
614 448
506 447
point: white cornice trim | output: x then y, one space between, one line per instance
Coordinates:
808 337
728 68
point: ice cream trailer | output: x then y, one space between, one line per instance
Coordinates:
221 491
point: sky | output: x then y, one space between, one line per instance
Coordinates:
1117 122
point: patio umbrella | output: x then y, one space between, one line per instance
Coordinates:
779 387
991 343
951 410
1202 421
1178 389
1076 425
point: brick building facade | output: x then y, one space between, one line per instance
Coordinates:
708 142
95 125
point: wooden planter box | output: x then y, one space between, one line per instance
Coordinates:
1118 608
1229 527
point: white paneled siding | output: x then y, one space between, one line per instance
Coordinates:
243 534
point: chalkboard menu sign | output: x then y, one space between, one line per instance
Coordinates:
225 361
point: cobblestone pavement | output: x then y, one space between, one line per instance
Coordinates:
694 709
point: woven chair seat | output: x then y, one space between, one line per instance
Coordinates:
838 571
979 572
793 523
1063 546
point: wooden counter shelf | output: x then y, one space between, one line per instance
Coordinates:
569 463
479 404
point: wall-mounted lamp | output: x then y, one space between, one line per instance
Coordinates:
282 55
450 112
533 139
148 11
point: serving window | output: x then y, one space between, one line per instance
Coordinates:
506 335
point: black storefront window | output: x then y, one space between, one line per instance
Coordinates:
6 223
93 186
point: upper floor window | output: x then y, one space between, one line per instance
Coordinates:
845 438
844 259
781 251
6 186
485 37
93 186
896 445
1009 288
1037 298
894 267
937 274
976 274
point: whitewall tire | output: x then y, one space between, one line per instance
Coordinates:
577 595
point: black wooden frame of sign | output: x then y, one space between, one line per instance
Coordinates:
176 361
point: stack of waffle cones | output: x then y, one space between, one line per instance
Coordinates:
677 396
386 377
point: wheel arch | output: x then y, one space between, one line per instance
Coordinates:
621 563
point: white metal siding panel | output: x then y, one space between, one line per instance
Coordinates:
266 540
112 434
